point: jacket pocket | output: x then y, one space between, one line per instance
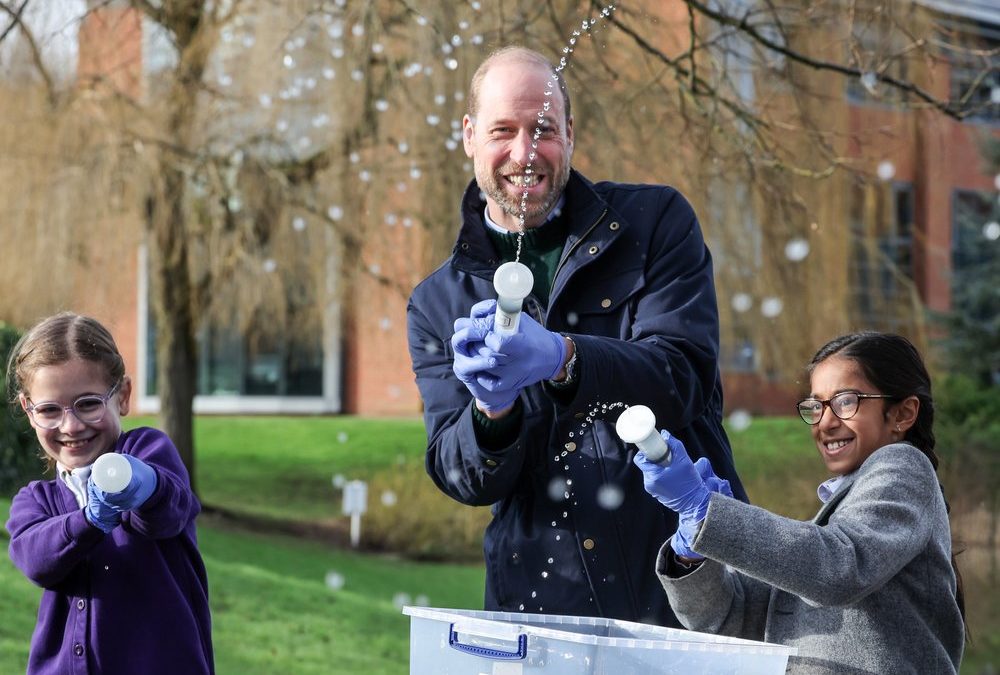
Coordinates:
604 304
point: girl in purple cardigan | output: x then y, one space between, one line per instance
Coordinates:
125 586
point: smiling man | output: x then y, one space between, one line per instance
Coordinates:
622 310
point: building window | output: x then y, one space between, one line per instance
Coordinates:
971 211
882 256
974 54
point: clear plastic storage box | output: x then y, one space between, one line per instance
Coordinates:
467 642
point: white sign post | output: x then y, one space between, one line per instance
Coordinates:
355 504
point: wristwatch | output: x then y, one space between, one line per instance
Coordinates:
570 367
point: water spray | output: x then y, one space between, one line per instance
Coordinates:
637 425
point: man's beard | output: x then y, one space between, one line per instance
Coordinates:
494 182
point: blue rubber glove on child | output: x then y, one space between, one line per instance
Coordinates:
104 509
101 515
682 486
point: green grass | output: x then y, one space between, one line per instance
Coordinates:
272 611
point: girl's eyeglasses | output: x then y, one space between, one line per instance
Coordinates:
844 405
88 409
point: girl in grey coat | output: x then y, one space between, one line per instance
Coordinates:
869 586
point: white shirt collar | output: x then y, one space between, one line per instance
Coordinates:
554 213
75 480
828 488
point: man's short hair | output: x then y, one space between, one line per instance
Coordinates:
514 52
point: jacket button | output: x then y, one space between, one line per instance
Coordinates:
80 604
465 246
78 649
571 446
614 226
605 303
491 462
589 544
592 250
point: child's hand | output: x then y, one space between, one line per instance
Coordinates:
137 491
100 514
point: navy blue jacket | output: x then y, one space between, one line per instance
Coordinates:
634 290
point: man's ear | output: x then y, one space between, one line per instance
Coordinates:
468 132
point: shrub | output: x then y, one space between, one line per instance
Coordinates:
18 457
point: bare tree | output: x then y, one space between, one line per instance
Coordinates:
266 138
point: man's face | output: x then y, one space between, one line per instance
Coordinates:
500 138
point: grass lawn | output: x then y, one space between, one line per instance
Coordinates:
272 611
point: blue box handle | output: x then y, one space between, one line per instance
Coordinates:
489 652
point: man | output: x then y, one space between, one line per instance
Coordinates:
622 311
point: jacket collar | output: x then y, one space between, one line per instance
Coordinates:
583 206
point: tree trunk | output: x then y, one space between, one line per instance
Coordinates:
176 350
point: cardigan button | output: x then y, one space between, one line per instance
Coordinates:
78 649
81 604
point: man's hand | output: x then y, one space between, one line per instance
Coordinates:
529 356
473 358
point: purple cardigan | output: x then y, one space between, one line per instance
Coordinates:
132 601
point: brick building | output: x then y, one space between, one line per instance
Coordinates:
930 171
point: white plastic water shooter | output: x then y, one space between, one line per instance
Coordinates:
637 425
513 282
111 472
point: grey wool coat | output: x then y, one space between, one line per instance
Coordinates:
866 587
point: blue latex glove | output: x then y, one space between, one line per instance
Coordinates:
137 491
473 358
527 357
687 524
679 486
98 513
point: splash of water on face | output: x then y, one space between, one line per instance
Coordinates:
551 86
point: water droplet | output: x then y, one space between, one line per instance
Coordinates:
991 230
521 607
422 601
557 489
335 212
299 223
451 64
342 437
399 600
869 81
288 61
339 481
796 250
742 302
610 497
334 580
886 170
771 307
739 420
545 574
534 594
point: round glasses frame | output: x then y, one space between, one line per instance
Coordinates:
92 417
807 406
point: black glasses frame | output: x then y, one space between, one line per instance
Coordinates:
827 404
